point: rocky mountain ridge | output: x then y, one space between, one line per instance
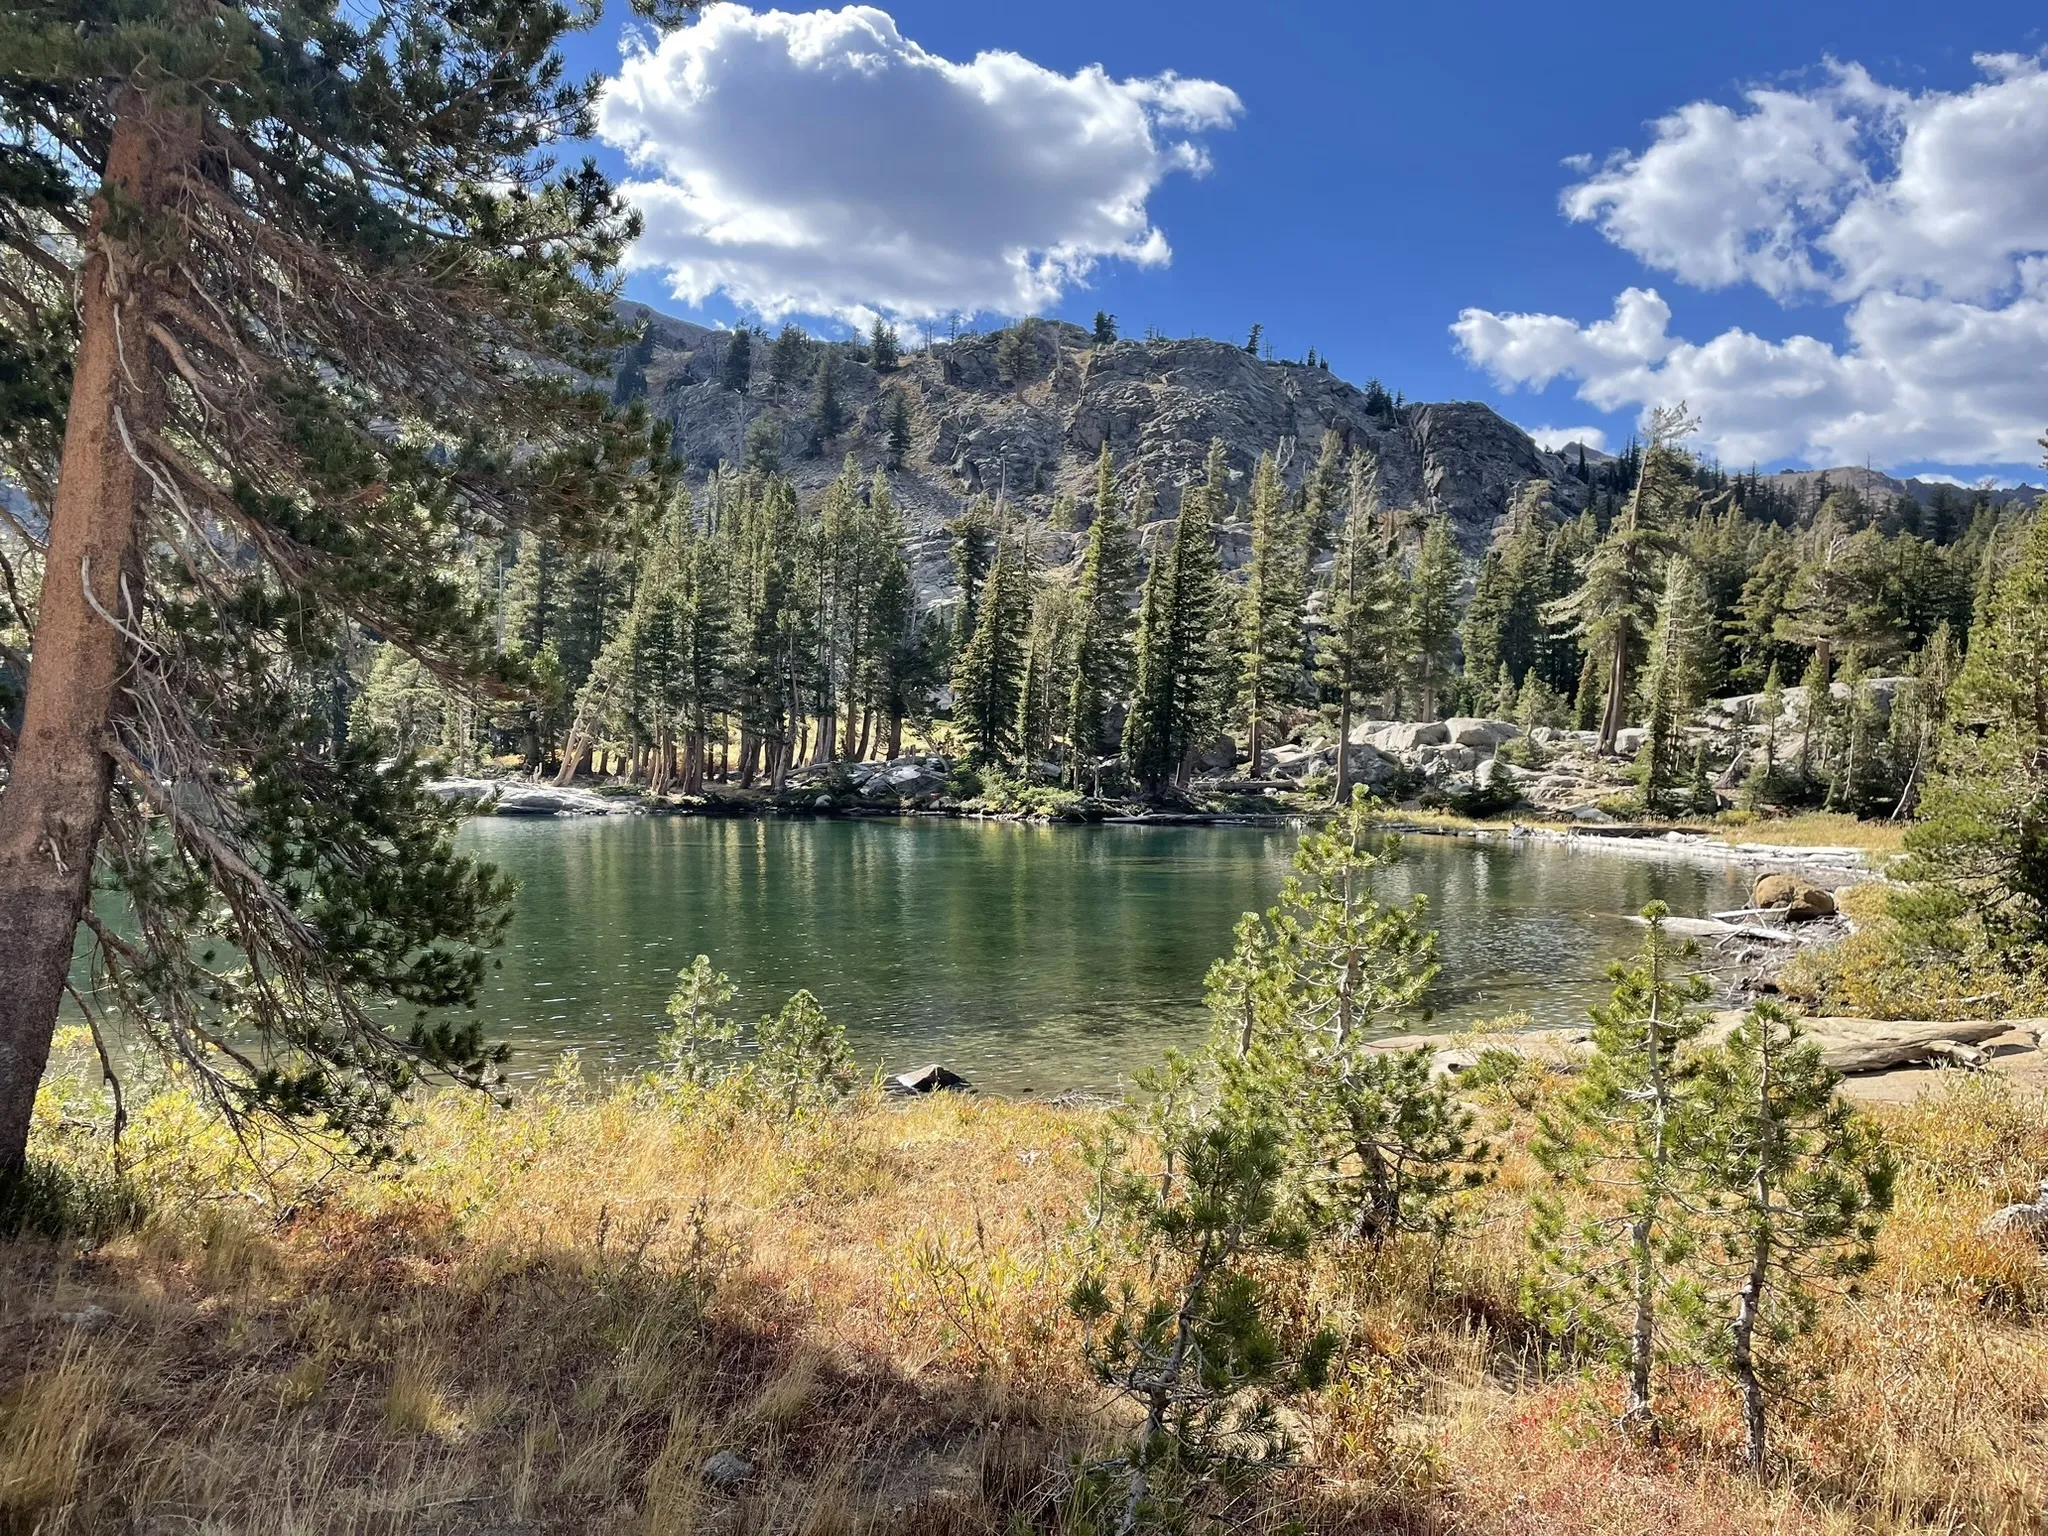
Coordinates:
1031 434
1806 484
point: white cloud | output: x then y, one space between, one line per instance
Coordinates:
1924 217
822 163
1550 439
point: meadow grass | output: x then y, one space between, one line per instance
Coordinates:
555 1312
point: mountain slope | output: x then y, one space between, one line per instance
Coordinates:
1157 403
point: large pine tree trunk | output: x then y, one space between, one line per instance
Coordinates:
1614 717
1344 742
54 808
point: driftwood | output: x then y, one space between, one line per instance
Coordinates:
1872 1045
1848 1046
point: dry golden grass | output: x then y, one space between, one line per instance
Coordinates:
557 1312
1810 829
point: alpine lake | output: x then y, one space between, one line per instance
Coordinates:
1031 959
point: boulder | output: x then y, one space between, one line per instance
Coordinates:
1591 815
931 1079
1495 774
1219 756
1446 759
1371 767
546 800
1483 735
1555 791
726 1470
2029 1222
1802 901
1409 737
905 781
1628 741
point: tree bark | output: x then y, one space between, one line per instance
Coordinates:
1616 713
55 805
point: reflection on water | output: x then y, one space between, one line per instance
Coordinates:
1026 957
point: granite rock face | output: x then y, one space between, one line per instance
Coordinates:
1034 438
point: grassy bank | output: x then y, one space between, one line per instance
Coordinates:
563 1308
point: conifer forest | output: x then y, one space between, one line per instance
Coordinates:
582 887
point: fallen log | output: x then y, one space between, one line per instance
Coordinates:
1851 1046
1847 1046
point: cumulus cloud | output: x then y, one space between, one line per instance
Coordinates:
1550 439
822 163
1923 218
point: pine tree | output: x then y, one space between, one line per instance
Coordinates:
1321 497
1187 1219
1433 611
1105 328
1799 1183
1624 1144
1687 640
1656 759
736 369
972 550
1017 353
1269 637
828 416
1049 666
1977 860
764 444
283 232
1816 716
1613 609
989 680
899 428
885 348
1762 787
1920 714
1377 1146
788 356
1354 649
1102 654
1177 698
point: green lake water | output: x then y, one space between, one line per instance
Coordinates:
1028 958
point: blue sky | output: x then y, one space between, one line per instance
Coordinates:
1845 230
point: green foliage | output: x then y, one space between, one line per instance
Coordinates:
988 682
62 1202
1795 1184
1017 353
1361 619
1186 1206
789 355
898 427
828 414
1377 1145
1270 642
803 1063
1181 673
764 443
1105 328
885 348
1622 1142
796 1064
736 367
1432 618
696 1048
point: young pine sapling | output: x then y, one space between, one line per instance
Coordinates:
1799 1184
1623 1142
